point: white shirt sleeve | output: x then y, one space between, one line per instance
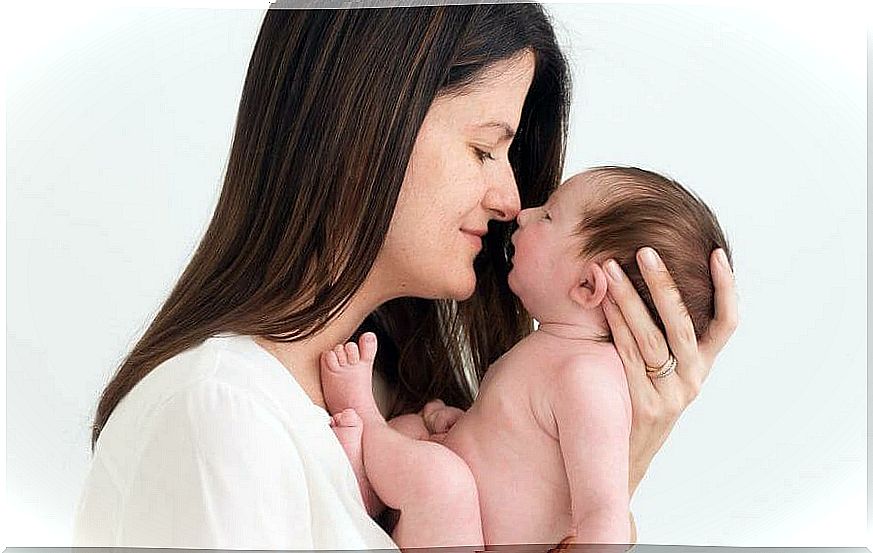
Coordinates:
218 471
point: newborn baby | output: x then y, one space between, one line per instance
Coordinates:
542 455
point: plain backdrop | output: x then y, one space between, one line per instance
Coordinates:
118 130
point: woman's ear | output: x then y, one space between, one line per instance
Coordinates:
591 290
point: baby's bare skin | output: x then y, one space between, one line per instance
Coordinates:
430 485
509 438
509 441
545 446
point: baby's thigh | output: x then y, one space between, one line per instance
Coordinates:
419 473
443 479
441 504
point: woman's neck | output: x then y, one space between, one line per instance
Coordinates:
302 358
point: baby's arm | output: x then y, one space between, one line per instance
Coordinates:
592 411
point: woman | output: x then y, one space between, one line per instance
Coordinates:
373 150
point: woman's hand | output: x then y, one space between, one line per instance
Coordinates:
439 419
658 402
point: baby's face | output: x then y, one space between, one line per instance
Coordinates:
546 261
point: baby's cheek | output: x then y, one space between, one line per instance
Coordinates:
522 251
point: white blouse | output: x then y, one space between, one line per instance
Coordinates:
220 448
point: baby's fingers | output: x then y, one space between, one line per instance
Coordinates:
439 418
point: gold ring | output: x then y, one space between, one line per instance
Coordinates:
664 370
661 367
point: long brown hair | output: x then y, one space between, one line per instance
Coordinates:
330 109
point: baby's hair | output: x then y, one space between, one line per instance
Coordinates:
637 208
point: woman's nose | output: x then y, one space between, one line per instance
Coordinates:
502 198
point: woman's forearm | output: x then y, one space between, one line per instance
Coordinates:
635 475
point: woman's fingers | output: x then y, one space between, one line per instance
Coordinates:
634 367
726 313
651 415
650 341
658 402
665 295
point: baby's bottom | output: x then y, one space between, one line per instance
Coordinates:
429 484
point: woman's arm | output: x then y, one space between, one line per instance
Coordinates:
657 403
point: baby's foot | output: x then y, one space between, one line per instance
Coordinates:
347 378
349 429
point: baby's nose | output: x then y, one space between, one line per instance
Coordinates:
523 216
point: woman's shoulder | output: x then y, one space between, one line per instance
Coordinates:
226 377
208 433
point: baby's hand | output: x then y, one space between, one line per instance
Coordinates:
439 419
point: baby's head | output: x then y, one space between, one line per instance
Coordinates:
611 212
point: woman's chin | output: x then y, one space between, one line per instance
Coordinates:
465 287
460 288
465 293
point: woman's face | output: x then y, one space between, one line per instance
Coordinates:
457 179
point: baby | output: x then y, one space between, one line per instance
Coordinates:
542 455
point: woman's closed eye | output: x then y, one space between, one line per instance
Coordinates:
483 155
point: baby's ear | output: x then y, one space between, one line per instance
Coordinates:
591 290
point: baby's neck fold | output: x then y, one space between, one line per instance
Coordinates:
588 326
571 332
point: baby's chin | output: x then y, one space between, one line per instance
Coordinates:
512 286
509 280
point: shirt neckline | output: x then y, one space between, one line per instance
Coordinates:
248 341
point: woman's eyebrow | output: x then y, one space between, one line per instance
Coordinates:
508 132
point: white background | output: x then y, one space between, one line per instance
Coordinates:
118 128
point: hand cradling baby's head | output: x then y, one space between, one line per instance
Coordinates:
625 208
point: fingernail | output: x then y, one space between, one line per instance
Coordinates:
722 258
649 257
613 270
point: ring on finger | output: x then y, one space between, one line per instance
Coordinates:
667 368
662 366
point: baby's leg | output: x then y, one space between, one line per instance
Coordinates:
429 484
349 428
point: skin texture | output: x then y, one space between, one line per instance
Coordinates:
458 178
551 423
430 485
471 193
452 183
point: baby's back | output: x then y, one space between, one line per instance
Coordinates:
509 438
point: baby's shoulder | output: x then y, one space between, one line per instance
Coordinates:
589 371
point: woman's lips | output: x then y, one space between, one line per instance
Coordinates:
473 238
